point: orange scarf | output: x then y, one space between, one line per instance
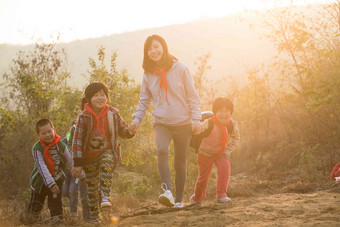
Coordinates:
163 82
47 155
100 117
224 137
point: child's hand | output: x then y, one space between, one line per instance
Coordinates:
133 128
76 171
227 153
55 189
196 129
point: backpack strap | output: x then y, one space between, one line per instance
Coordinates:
61 152
230 126
197 139
117 157
111 127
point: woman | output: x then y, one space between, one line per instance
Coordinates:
176 113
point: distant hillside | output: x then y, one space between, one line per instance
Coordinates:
231 43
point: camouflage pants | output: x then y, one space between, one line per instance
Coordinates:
99 181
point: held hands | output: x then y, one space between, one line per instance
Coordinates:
133 128
55 189
76 171
196 129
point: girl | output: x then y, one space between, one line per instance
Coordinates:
71 188
95 148
176 113
218 139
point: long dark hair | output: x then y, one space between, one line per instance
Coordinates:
167 58
92 89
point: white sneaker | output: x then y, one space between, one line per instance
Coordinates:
166 198
178 205
337 179
105 202
224 199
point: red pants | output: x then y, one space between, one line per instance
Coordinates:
205 165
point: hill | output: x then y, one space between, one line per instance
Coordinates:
229 40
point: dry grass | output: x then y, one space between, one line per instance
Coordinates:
241 186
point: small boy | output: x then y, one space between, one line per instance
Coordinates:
219 137
51 156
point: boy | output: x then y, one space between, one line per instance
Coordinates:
51 156
219 137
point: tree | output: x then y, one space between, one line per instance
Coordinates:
124 95
35 87
307 69
37 78
204 87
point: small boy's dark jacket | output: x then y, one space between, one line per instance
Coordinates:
36 179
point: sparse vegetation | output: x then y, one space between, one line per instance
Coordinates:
288 113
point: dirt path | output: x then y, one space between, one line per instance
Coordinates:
321 208
316 209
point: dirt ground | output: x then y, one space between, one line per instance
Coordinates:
320 208
290 209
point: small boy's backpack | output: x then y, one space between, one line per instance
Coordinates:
196 140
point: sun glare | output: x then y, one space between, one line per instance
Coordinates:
23 22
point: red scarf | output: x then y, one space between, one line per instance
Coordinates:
224 137
47 155
163 82
100 117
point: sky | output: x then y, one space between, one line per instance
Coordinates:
28 21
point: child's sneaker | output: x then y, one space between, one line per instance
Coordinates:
193 202
93 221
178 205
56 220
166 198
105 202
224 199
32 218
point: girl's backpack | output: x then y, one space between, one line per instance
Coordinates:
196 140
335 172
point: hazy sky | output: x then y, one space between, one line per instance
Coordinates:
26 21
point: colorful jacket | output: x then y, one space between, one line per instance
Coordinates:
82 132
40 174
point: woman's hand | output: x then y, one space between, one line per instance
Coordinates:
133 128
196 129
76 171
